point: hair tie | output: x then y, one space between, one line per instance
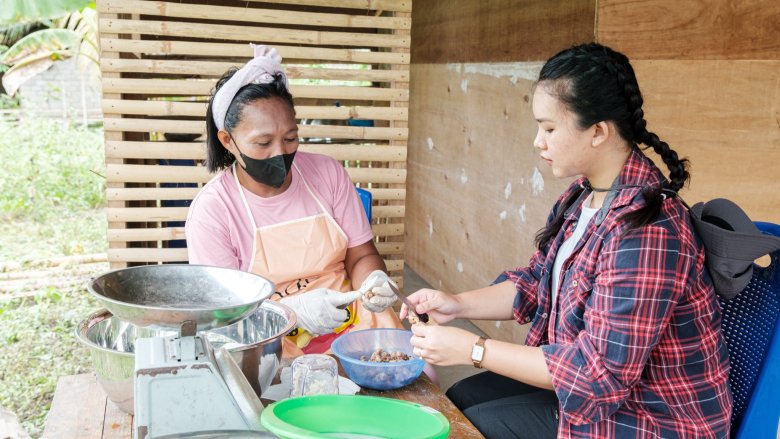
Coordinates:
266 64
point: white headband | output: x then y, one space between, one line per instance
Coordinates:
266 64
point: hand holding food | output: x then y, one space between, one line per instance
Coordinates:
377 294
440 306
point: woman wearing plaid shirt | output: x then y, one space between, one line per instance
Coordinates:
625 336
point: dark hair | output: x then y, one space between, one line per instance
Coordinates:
217 157
598 84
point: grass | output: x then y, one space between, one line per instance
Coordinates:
37 346
51 204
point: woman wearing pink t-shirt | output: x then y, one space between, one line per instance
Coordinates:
291 217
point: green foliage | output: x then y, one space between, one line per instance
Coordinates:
25 11
35 53
11 33
58 43
37 346
49 168
51 203
74 34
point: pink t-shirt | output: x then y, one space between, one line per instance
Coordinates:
220 233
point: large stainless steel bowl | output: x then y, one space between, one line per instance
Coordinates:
255 343
166 296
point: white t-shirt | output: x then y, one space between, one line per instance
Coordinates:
568 246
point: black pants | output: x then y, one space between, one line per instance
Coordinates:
501 407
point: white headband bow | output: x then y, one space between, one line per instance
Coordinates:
266 64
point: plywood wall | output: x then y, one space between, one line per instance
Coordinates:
477 193
710 75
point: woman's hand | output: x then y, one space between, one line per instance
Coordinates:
320 311
442 345
381 296
440 306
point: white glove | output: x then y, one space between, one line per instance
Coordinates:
377 295
322 310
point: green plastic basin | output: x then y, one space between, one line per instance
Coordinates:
353 416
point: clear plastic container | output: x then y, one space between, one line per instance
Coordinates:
314 374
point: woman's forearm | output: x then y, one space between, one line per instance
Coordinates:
361 261
521 363
490 303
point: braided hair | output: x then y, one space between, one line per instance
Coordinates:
598 84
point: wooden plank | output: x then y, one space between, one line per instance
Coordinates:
117 424
171 108
368 5
498 30
155 150
151 193
305 131
394 265
217 68
198 174
147 255
737 126
197 87
252 15
379 153
186 193
197 150
77 410
154 107
698 29
107 53
146 214
159 47
157 234
167 214
398 124
243 33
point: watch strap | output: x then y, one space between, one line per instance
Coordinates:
479 343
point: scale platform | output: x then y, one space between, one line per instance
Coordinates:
181 385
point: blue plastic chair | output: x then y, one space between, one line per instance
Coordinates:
365 198
750 324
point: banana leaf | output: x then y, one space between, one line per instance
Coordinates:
35 53
11 33
25 11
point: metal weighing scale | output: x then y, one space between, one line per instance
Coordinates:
182 386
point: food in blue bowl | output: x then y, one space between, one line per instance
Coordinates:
378 375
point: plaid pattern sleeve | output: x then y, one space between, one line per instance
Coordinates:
640 276
526 281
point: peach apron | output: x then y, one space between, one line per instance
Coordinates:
305 254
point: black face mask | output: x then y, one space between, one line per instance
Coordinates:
271 171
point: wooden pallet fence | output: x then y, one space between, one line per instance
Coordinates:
348 62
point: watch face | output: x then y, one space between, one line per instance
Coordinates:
477 352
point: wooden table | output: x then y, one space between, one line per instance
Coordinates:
81 409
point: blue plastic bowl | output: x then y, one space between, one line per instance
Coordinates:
379 376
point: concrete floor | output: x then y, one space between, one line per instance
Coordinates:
451 374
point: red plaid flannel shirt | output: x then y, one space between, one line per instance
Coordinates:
634 345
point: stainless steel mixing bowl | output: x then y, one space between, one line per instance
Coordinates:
166 296
255 343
